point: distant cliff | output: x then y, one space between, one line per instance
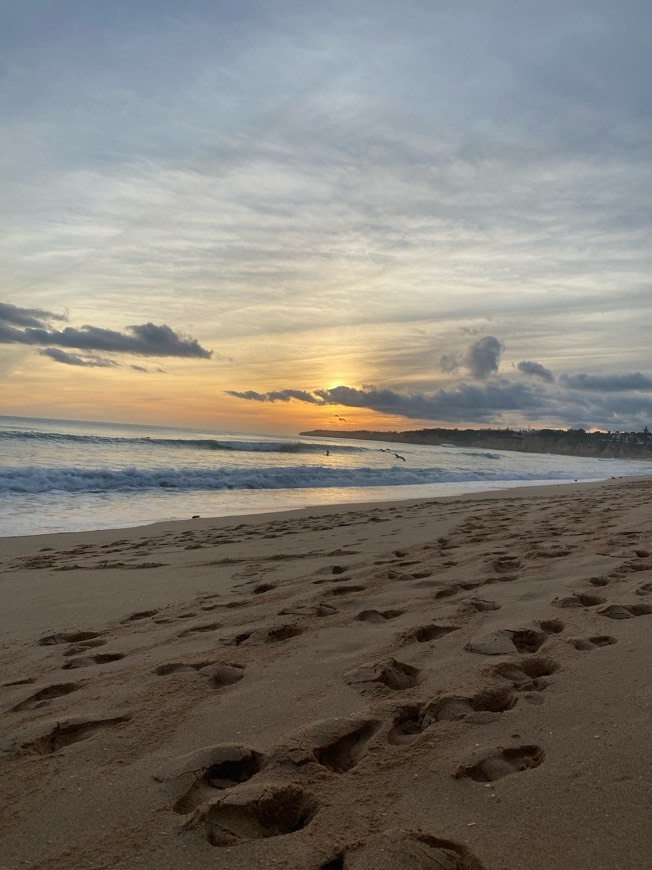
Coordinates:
567 442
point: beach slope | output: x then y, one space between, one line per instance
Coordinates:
457 683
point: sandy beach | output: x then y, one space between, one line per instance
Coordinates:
456 683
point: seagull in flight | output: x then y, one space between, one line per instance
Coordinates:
400 457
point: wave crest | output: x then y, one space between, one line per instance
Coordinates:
32 479
187 443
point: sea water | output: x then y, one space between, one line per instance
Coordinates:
64 475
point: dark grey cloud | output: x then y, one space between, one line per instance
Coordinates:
31 326
465 402
146 339
481 358
75 359
617 383
277 396
495 402
10 335
35 317
535 370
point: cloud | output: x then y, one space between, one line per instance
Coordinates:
465 402
617 383
276 396
146 340
450 362
30 326
501 401
35 317
483 357
535 370
74 359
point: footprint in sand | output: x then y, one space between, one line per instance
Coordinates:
340 745
199 776
89 661
238 639
626 611
644 589
480 605
456 588
500 762
176 667
551 626
451 708
378 616
71 731
67 637
309 610
638 565
505 564
263 587
398 850
222 674
407 725
43 695
84 646
255 813
527 674
551 550
135 617
390 674
283 632
426 633
200 627
579 599
589 643
486 706
505 641
345 590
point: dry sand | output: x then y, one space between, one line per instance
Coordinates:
461 683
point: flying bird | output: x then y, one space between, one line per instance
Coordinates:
400 457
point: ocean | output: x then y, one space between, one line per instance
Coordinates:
65 475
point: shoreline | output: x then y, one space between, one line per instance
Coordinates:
335 507
459 681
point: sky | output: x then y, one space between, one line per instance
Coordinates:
278 216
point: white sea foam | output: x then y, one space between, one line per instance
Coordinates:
45 480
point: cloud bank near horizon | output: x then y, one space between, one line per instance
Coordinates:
580 399
501 402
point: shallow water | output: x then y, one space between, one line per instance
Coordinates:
58 475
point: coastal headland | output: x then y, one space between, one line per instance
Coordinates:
452 683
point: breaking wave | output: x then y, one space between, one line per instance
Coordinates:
32 479
186 443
